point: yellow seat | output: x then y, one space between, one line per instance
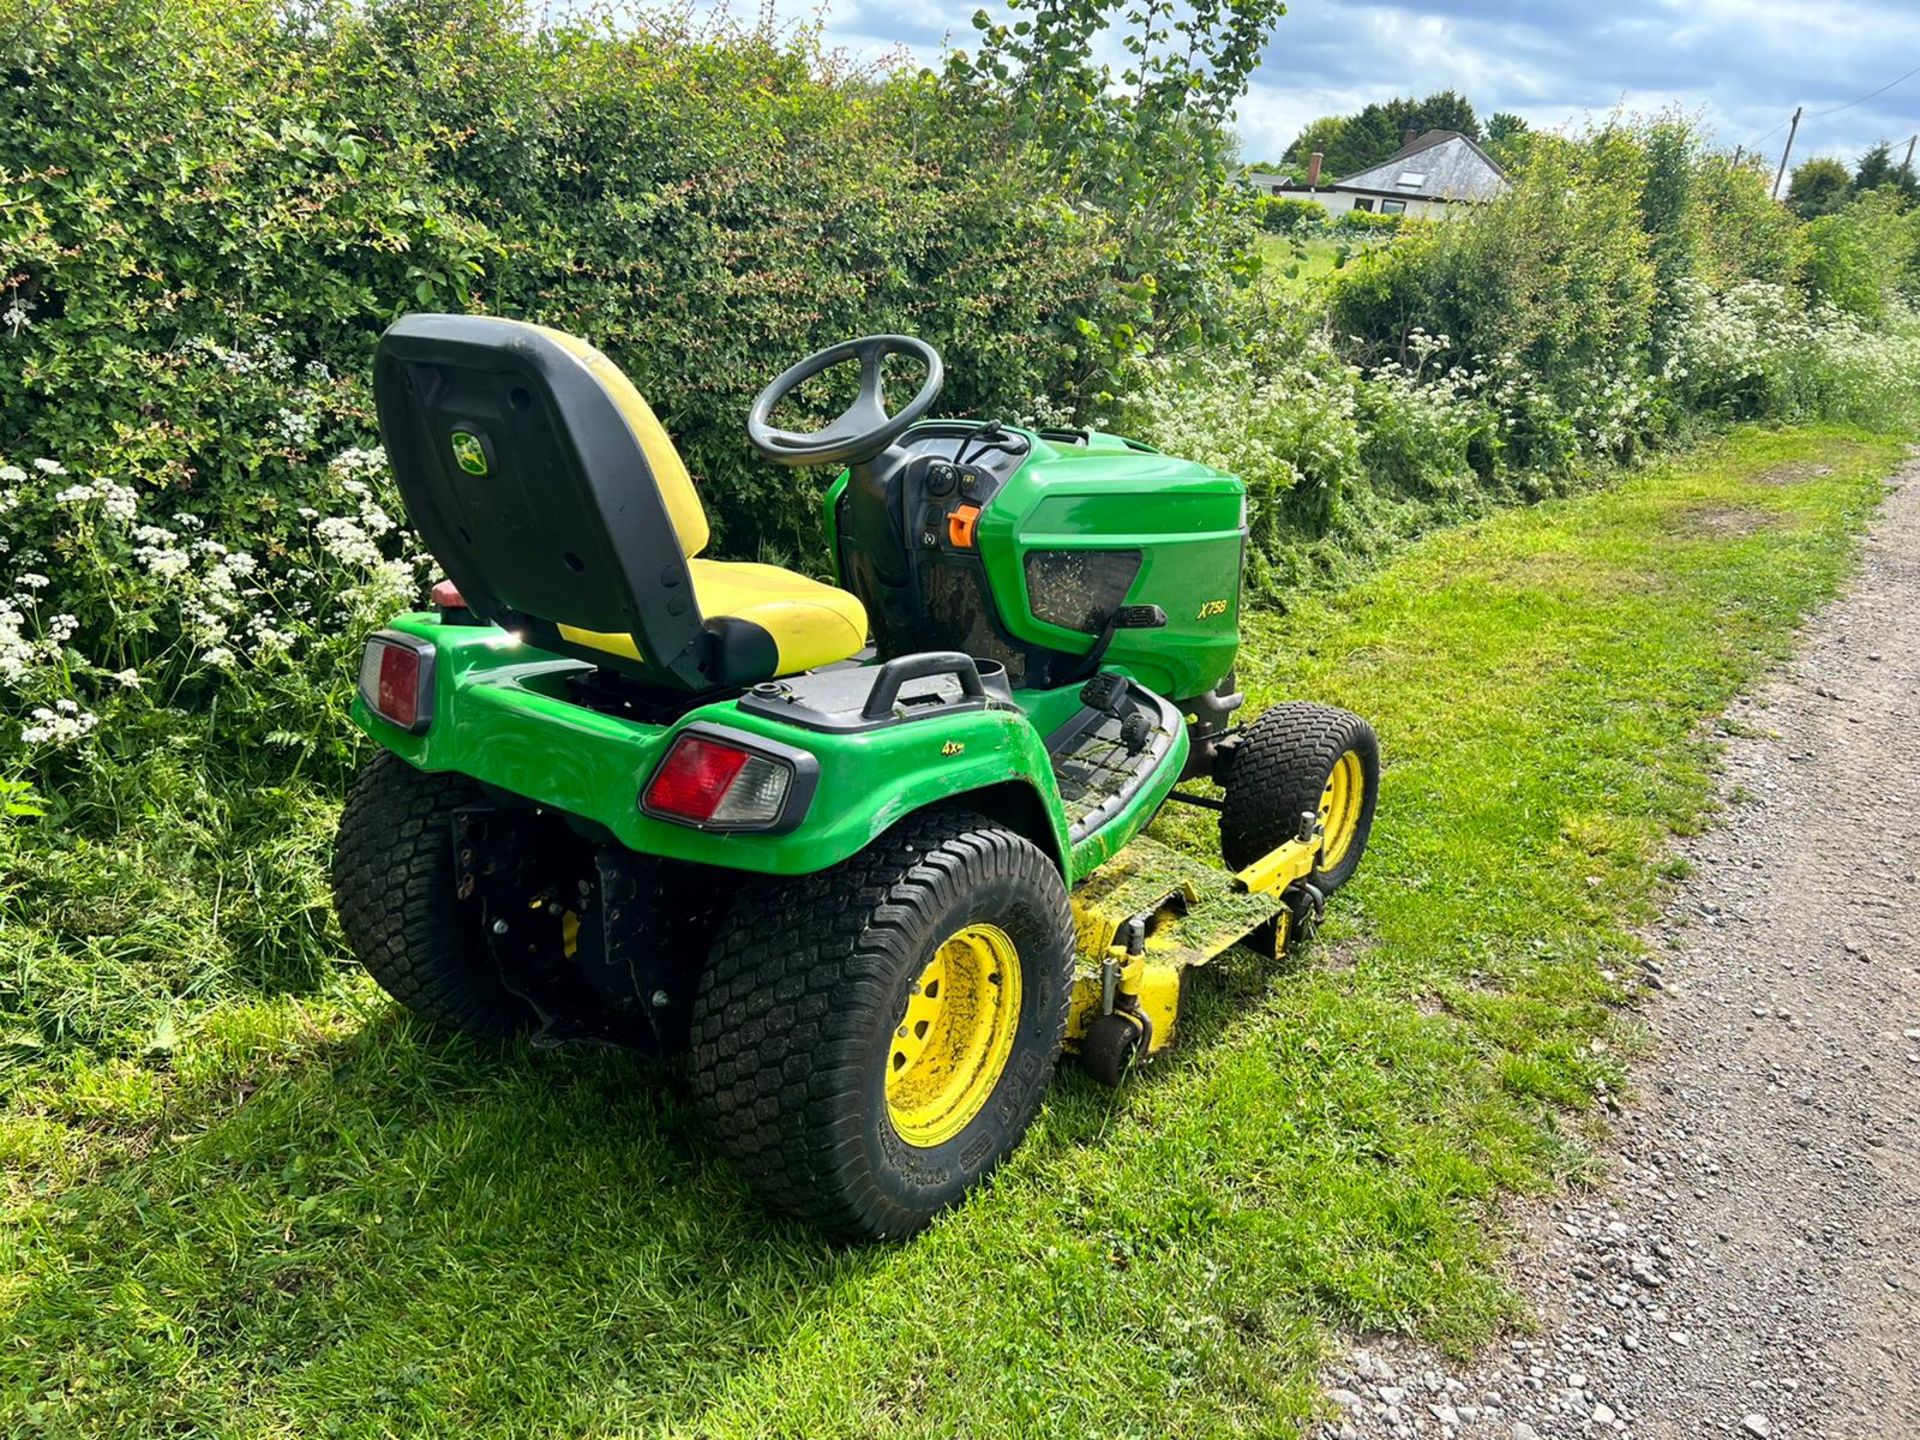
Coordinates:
810 624
744 603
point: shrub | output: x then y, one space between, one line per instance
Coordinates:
707 212
1368 222
1862 258
1292 217
208 212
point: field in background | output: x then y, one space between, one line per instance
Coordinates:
303 1216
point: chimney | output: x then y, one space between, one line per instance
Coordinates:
1313 169
1412 135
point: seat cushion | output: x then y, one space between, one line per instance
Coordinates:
769 621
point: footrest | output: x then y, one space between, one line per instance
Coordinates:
1102 757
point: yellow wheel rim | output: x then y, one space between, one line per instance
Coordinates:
1340 805
950 1048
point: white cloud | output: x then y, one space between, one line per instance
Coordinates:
1740 65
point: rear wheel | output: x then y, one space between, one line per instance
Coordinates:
394 891
1295 759
870 1041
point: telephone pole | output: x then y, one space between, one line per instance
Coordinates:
1792 131
1908 167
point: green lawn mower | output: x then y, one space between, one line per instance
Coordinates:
867 853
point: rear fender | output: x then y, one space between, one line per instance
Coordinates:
503 717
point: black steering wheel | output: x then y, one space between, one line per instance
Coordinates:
864 428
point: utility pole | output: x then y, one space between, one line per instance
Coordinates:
1794 130
1738 152
1908 167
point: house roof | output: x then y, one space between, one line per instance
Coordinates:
1440 165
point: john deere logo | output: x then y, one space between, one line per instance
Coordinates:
468 454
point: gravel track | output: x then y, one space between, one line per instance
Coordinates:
1751 1267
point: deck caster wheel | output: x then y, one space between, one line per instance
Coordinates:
1111 1045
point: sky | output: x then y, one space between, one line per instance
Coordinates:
1740 66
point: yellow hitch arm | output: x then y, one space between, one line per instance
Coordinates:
1277 869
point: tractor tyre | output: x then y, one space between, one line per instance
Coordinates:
871 1040
394 891
1296 758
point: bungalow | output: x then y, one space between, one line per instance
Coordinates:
1425 178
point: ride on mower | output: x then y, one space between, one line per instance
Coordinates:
868 853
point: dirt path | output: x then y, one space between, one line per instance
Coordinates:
1752 1267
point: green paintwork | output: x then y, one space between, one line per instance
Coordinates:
830 523
502 712
1188 520
500 716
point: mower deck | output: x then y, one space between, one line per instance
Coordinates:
1147 918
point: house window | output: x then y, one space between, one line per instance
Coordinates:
1364 203
1393 207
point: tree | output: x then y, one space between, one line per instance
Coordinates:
1146 142
1508 139
1820 187
1875 168
1878 172
1505 126
1324 136
1357 142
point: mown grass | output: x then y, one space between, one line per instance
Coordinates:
313 1220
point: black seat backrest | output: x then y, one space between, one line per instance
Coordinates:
543 483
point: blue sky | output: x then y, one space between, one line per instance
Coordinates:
1740 65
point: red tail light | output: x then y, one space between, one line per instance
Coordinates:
396 680
706 781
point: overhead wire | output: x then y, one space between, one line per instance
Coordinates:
1835 110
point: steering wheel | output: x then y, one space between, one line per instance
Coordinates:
864 428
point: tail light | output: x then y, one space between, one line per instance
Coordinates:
710 781
396 680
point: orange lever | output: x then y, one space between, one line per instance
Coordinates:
960 523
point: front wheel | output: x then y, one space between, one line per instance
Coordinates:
871 1041
1300 758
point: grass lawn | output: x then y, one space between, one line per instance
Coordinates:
1296 263
315 1221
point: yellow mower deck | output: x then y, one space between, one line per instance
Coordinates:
1191 913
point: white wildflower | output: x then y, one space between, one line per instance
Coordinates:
346 542
59 726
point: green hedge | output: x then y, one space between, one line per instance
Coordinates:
707 208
